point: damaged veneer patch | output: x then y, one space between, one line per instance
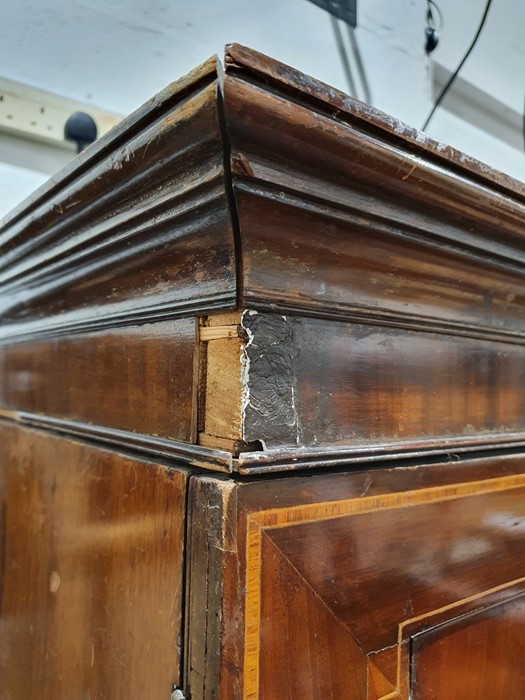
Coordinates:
249 382
269 413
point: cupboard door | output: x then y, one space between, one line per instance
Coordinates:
479 655
92 571
323 586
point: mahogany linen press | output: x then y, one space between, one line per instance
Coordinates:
262 372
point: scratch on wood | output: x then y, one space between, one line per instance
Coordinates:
405 177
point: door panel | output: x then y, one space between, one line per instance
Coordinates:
325 580
476 656
92 547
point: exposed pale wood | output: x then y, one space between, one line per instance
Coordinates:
222 402
224 389
219 443
218 332
231 318
9 415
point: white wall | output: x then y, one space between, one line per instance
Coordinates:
117 53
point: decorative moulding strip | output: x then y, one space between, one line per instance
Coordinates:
351 266
108 224
193 455
361 210
91 248
139 231
103 318
298 87
298 139
112 142
274 461
335 213
448 450
262 388
375 317
285 196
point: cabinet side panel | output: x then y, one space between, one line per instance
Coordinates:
108 378
321 384
341 572
92 571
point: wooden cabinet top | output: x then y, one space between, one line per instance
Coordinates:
386 267
225 156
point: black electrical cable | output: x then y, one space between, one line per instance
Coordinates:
430 15
454 75
433 28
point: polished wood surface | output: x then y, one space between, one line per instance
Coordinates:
92 571
319 383
257 274
388 269
479 655
336 576
106 377
344 211
274 392
323 259
135 229
252 66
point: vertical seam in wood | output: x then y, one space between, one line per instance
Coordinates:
201 353
230 195
195 407
184 680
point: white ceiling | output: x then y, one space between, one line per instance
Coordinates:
117 53
497 64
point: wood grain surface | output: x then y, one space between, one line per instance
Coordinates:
254 272
302 88
316 383
340 218
139 378
479 655
380 275
338 574
135 229
92 571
